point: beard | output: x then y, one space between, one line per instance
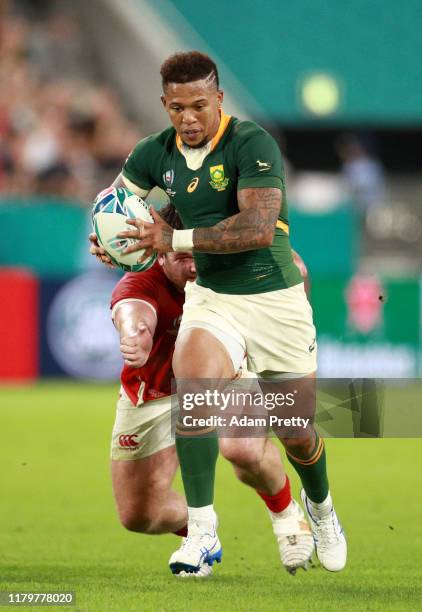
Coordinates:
199 145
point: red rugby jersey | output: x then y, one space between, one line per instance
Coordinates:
153 380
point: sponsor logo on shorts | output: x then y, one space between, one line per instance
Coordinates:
312 346
129 441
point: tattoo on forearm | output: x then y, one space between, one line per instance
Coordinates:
252 228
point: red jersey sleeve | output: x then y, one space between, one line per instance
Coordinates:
137 286
153 380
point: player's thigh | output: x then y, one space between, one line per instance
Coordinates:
200 354
281 336
142 449
208 344
140 431
140 483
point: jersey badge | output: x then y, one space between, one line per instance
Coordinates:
218 180
262 166
168 178
193 185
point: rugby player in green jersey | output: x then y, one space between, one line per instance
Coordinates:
225 178
143 453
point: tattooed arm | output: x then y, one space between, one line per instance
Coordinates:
251 228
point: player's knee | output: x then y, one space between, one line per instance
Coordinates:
141 521
299 447
241 453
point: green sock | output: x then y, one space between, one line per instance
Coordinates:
312 472
197 458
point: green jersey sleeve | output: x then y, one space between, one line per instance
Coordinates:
136 167
258 158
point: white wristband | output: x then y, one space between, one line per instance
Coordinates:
182 240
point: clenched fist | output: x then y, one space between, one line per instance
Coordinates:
136 347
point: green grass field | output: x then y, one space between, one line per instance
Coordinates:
59 530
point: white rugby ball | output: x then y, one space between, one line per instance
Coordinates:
111 209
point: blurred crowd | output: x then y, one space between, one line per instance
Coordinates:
62 131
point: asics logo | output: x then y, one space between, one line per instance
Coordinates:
128 441
193 184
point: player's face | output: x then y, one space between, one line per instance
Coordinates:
194 110
179 268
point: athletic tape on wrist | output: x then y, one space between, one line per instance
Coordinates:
182 240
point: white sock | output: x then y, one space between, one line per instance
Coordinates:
204 514
322 508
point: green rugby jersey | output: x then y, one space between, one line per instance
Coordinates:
241 155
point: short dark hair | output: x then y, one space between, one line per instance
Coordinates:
170 216
188 67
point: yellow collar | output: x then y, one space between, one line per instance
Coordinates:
224 122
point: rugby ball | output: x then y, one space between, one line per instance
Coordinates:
111 209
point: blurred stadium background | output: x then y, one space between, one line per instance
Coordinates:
339 89
339 85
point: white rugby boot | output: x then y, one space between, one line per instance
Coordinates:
204 571
330 541
199 549
294 537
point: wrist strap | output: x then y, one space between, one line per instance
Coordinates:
182 240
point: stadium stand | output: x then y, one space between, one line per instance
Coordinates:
62 130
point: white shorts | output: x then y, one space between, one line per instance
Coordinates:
140 431
275 328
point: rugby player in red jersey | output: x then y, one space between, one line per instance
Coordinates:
146 309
